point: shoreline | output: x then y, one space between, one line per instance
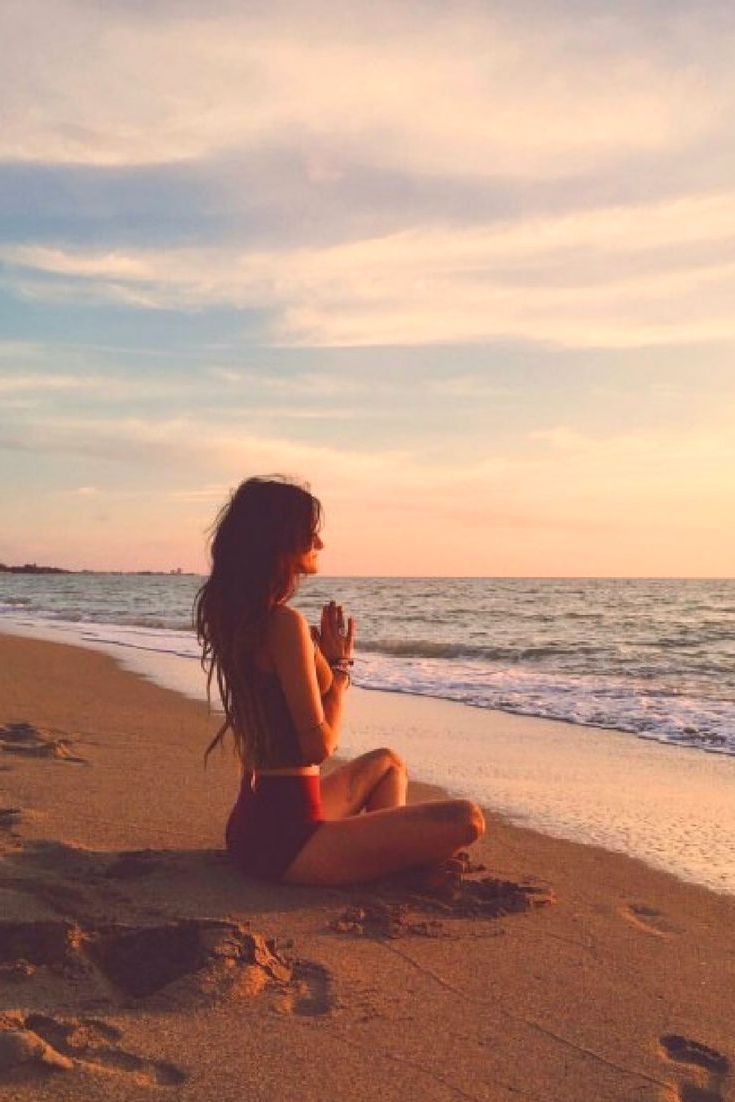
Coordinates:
117 834
638 692
51 630
670 806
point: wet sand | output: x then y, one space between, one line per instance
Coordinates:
135 962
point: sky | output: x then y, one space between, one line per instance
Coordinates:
466 268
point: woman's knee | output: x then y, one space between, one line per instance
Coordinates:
390 760
465 816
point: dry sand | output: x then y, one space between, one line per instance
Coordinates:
135 963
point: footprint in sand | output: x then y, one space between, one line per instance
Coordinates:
707 1069
310 993
179 959
181 963
24 738
40 1043
10 818
647 918
48 942
381 919
401 905
134 865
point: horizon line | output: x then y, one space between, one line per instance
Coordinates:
42 572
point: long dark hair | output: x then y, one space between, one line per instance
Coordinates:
257 539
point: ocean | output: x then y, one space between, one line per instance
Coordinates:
651 657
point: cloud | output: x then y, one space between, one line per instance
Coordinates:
194 443
19 350
460 90
556 462
472 386
464 97
310 384
615 277
14 384
262 395
109 389
650 501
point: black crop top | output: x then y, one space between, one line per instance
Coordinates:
277 716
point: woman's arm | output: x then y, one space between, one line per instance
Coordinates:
332 722
323 669
316 717
336 643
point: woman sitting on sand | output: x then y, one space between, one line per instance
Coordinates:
282 687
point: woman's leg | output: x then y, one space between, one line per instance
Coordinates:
372 782
364 847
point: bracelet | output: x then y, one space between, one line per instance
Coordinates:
346 672
342 662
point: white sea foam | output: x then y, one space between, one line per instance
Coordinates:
652 658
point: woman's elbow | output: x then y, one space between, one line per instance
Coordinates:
318 745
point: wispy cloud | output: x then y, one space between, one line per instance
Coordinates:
615 277
591 503
19 350
674 458
460 89
195 443
310 384
21 384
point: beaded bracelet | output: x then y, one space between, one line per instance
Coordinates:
342 667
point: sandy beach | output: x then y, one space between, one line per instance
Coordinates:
135 962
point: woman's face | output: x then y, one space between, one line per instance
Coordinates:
309 561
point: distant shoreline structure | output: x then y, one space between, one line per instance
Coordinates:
34 568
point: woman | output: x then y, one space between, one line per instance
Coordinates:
282 687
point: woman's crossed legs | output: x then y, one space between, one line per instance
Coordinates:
373 782
349 847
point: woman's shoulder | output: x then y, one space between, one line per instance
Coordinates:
286 625
281 616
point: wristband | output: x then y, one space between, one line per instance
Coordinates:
342 669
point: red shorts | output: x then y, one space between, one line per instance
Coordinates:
272 822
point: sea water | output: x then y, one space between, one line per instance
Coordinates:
655 658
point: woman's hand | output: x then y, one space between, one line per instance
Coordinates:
335 642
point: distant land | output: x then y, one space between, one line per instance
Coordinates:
34 568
